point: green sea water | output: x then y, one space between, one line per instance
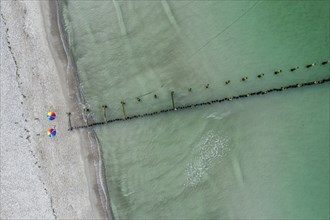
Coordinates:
260 157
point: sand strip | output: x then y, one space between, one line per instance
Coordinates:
42 178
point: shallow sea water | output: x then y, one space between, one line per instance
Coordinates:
260 157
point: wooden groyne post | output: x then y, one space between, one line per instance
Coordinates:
69 121
86 110
172 96
105 113
123 106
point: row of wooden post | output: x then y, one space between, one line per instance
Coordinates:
86 110
124 112
191 105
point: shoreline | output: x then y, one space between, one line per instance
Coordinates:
90 146
37 77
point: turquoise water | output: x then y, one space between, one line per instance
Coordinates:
261 157
257 158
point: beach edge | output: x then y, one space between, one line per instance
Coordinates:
90 145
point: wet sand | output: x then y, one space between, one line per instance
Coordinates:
43 178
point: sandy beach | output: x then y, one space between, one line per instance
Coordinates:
42 177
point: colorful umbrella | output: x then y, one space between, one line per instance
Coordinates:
51 115
51 132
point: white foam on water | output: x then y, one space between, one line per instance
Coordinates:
218 116
211 147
